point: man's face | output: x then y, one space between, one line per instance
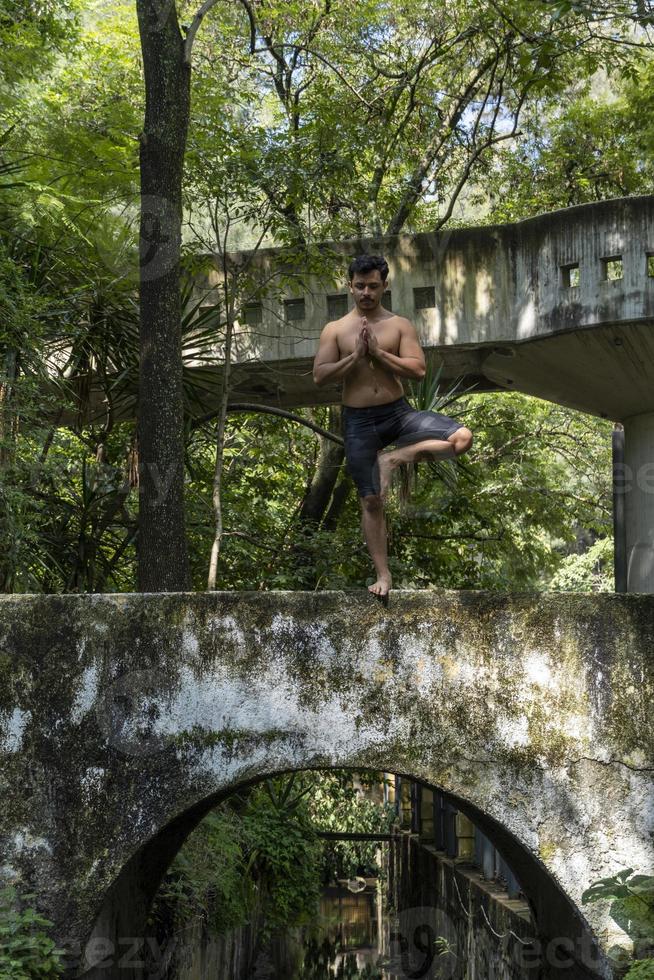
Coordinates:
367 289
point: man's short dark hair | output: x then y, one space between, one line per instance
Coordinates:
368 263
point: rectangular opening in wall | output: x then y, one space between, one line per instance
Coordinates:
650 264
424 298
293 310
612 268
570 275
387 300
337 306
252 314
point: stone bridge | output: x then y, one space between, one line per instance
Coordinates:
124 719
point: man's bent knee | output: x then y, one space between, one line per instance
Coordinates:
371 503
461 440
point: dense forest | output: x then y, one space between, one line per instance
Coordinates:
308 122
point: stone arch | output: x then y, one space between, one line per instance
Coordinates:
126 714
566 946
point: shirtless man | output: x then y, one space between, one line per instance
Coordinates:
371 349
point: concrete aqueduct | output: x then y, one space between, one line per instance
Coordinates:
125 718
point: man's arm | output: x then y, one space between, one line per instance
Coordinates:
328 365
409 362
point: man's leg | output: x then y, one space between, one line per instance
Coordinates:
457 444
373 524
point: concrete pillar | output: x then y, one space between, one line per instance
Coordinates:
619 536
639 502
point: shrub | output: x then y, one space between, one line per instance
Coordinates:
26 950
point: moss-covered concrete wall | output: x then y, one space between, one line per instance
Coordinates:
123 718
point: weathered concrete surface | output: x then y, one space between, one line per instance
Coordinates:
123 719
638 489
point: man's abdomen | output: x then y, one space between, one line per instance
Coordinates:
371 390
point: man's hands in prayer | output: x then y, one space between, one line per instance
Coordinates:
369 338
361 346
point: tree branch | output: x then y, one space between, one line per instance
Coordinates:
247 7
466 171
251 540
449 537
269 410
194 27
414 189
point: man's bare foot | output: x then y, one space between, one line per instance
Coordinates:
386 467
381 587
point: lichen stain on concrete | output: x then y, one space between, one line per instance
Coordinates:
12 736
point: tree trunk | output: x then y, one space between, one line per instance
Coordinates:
220 452
328 468
317 501
162 547
8 419
339 498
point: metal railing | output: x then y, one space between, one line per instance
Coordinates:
429 814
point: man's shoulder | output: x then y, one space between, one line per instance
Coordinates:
335 326
397 320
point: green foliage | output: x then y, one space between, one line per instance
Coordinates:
26 951
31 34
258 858
589 571
285 852
208 876
622 885
597 144
345 120
260 853
641 970
338 803
632 907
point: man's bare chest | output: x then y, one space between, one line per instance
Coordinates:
388 337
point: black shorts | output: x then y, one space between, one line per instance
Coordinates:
367 430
